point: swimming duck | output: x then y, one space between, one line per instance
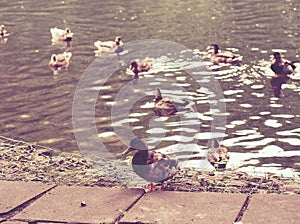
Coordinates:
281 68
150 165
223 56
108 46
3 31
167 107
3 34
61 35
217 155
60 61
139 66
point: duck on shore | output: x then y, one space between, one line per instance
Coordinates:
150 165
217 155
218 56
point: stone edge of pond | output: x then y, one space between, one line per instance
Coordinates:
22 161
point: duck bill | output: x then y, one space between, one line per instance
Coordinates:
209 48
127 151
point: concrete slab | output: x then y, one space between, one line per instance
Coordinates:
272 208
13 194
185 207
65 204
14 222
26 222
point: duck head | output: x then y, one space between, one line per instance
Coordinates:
277 56
136 144
134 68
215 48
68 35
133 65
118 40
215 143
158 96
2 29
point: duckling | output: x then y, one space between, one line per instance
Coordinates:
218 57
150 165
108 46
140 66
217 155
61 35
60 61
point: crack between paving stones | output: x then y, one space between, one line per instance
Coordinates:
7 215
130 206
243 209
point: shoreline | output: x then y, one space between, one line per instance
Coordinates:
21 161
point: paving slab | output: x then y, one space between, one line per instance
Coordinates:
272 208
185 207
15 193
14 222
26 222
81 205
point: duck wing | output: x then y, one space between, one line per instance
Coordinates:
165 108
104 44
158 168
226 54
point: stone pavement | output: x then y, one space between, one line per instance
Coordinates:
32 202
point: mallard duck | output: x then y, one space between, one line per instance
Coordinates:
140 66
281 68
167 107
61 35
108 46
60 61
150 165
217 155
218 56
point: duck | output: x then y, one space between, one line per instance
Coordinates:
217 155
3 34
282 68
60 61
61 34
150 165
3 31
167 107
218 56
139 66
108 46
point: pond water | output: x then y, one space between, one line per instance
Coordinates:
232 103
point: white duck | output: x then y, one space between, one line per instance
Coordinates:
61 35
108 46
60 61
3 34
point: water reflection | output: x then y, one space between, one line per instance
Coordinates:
37 106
